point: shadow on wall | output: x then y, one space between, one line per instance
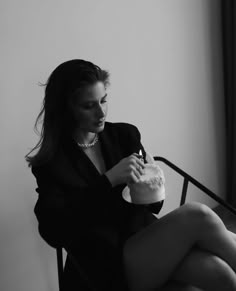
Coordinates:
216 65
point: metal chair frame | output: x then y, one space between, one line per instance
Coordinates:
187 179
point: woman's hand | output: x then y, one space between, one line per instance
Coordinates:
128 170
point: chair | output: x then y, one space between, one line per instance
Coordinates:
187 179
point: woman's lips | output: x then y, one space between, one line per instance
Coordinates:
100 123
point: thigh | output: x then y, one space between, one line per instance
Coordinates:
206 270
151 255
233 235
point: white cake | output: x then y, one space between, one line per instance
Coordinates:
150 187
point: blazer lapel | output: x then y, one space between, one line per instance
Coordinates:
110 146
80 161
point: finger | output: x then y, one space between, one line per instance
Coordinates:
133 178
140 170
137 155
141 157
136 172
139 162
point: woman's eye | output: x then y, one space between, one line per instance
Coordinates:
87 106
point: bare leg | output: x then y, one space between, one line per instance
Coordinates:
152 255
206 271
233 235
202 268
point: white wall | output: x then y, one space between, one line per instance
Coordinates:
165 64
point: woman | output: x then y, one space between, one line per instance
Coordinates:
82 166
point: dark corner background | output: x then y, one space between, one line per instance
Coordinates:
229 66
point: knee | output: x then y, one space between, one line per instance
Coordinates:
195 210
197 214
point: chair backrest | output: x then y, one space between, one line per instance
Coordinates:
60 266
85 281
187 179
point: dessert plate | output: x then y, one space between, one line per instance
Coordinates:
126 194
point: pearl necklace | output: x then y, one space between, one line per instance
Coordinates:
88 145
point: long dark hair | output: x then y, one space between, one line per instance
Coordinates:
55 115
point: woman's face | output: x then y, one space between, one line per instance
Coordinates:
90 108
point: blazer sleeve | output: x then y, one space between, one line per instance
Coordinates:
63 211
131 139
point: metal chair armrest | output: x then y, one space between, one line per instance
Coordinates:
187 179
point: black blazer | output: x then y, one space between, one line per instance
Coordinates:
78 208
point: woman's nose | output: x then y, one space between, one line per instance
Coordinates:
101 111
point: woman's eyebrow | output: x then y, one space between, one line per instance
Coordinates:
91 101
